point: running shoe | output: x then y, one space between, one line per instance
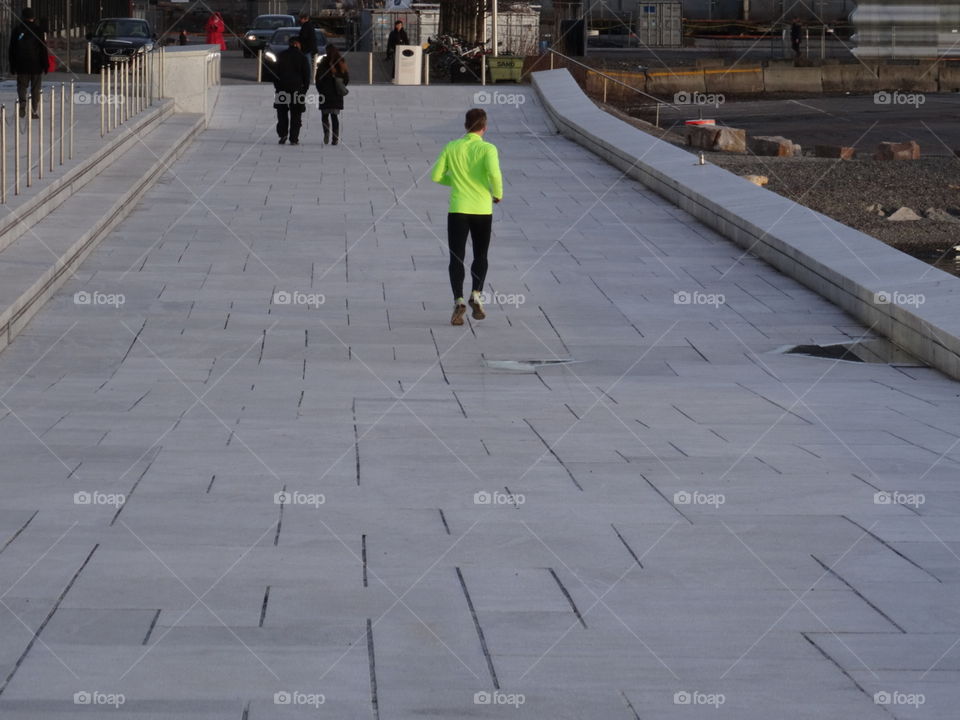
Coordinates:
459 310
477 305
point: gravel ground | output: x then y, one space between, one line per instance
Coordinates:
844 190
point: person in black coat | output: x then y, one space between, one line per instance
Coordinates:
308 38
28 60
291 80
397 36
331 69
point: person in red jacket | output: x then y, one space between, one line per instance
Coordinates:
214 29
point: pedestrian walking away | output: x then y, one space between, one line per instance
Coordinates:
397 36
182 38
290 84
796 35
28 59
332 79
308 38
470 167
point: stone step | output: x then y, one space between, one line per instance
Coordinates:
37 263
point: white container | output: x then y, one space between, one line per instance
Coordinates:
408 65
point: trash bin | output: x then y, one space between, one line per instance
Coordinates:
506 68
408 65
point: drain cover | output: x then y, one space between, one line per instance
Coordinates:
869 351
525 365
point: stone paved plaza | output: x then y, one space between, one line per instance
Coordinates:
273 482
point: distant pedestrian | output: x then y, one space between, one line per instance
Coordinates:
332 80
291 81
796 37
28 60
182 39
308 38
397 36
470 167
215 28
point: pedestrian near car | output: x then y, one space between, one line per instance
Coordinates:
332 79
470 167
214 28
182 38
29 60
308 38
290 84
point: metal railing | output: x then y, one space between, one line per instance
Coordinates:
43 136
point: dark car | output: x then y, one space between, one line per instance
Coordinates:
280 41
118 40
255 39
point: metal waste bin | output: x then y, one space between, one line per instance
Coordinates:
408 65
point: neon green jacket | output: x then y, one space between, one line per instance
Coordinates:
471 168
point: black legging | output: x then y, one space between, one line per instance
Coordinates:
478 227
328 119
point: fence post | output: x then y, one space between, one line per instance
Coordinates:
657 124
72 96
40 139
551 60
3 154
370 68
63 112
604 89
16 149
53 123
483 69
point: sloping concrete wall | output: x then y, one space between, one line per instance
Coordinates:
853 270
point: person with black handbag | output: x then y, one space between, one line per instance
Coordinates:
332 79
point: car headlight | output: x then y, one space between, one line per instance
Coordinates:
251 37
270 56
317 58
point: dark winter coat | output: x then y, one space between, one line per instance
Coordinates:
291 78
396 37
308 38
330 99
28 50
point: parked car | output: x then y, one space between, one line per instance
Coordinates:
255 39
118 40
280 41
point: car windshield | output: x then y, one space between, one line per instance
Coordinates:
281 37
123 28
270 23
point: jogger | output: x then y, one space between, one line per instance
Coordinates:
470 167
